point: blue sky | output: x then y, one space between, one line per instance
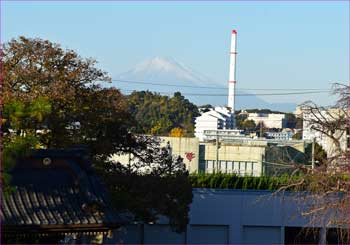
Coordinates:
280 44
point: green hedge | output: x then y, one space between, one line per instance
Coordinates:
232 181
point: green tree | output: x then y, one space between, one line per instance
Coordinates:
298 136
248 125
320 154
265 111
20 125
291 120
157 114
240 118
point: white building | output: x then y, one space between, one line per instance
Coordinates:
269 120
218 118
298 111
309 133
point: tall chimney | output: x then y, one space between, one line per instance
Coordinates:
232 79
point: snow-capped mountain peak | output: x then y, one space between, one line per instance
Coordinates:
164 69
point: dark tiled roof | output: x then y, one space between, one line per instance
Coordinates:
65 194
61 206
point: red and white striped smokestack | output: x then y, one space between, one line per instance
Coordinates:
232 79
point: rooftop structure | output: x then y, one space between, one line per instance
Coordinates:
55 192
219 118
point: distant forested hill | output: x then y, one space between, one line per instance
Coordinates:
157 114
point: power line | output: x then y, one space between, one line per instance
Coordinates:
166 84
240 95
280 164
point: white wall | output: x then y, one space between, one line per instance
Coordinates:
269 120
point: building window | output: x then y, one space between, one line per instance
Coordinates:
242 168
249 168
255 169
223 167
261 235
229 167
210 164
338 236
301 235
236 167
208 234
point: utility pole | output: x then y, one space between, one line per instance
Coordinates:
217 152
313 153
347 131
129 161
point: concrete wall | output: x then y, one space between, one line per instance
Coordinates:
201 157
233 154
225 217
185 147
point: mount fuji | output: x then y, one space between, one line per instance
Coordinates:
167 76
165 69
